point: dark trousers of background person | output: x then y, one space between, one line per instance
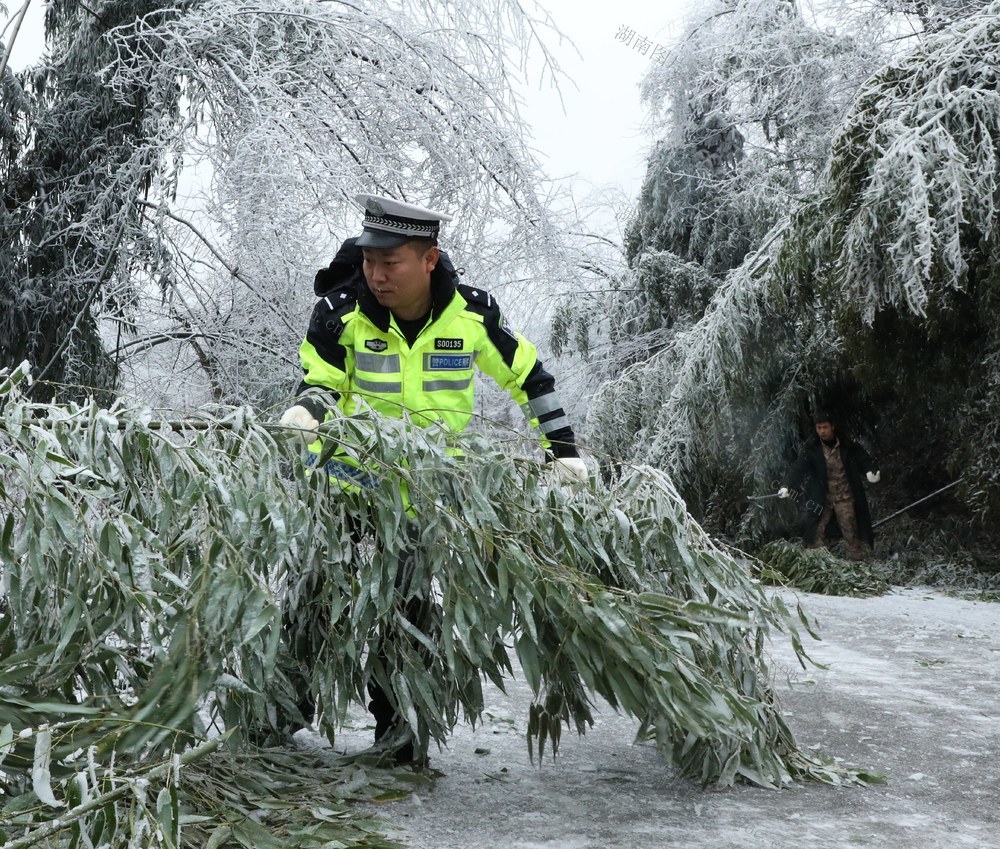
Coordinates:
846 519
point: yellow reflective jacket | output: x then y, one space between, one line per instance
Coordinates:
356 349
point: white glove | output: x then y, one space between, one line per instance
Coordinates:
305 422
783 492
569 469
874 477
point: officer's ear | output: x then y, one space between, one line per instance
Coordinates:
431 257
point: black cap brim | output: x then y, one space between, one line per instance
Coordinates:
376 239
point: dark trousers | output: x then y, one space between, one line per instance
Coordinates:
413 600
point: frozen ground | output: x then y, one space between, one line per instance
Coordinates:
911 689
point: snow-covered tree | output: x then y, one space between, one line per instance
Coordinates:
933 15
71 240
294 107
251 128
745 104
744 107
909 242
874 297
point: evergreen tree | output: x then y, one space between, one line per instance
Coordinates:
874 296
701 171
751 97
746 104
175 176
70 228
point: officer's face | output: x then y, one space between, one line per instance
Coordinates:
400 278
824 430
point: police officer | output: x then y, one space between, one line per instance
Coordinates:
405 335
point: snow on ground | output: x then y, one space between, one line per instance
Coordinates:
910 688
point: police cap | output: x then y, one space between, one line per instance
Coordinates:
390 223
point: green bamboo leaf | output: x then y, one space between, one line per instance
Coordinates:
109 543
41 778
390 796
61 516
70 616
525 612
406 708
527 655
6 741
543 732
103 823
6 538
603 606
503 578
219 836
408 627
225 681
252 835
168 814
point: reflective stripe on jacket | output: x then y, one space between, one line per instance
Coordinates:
355 348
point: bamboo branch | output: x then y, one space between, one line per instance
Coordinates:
13 37
128 784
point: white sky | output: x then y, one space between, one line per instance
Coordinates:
30 38
598 137
594 134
